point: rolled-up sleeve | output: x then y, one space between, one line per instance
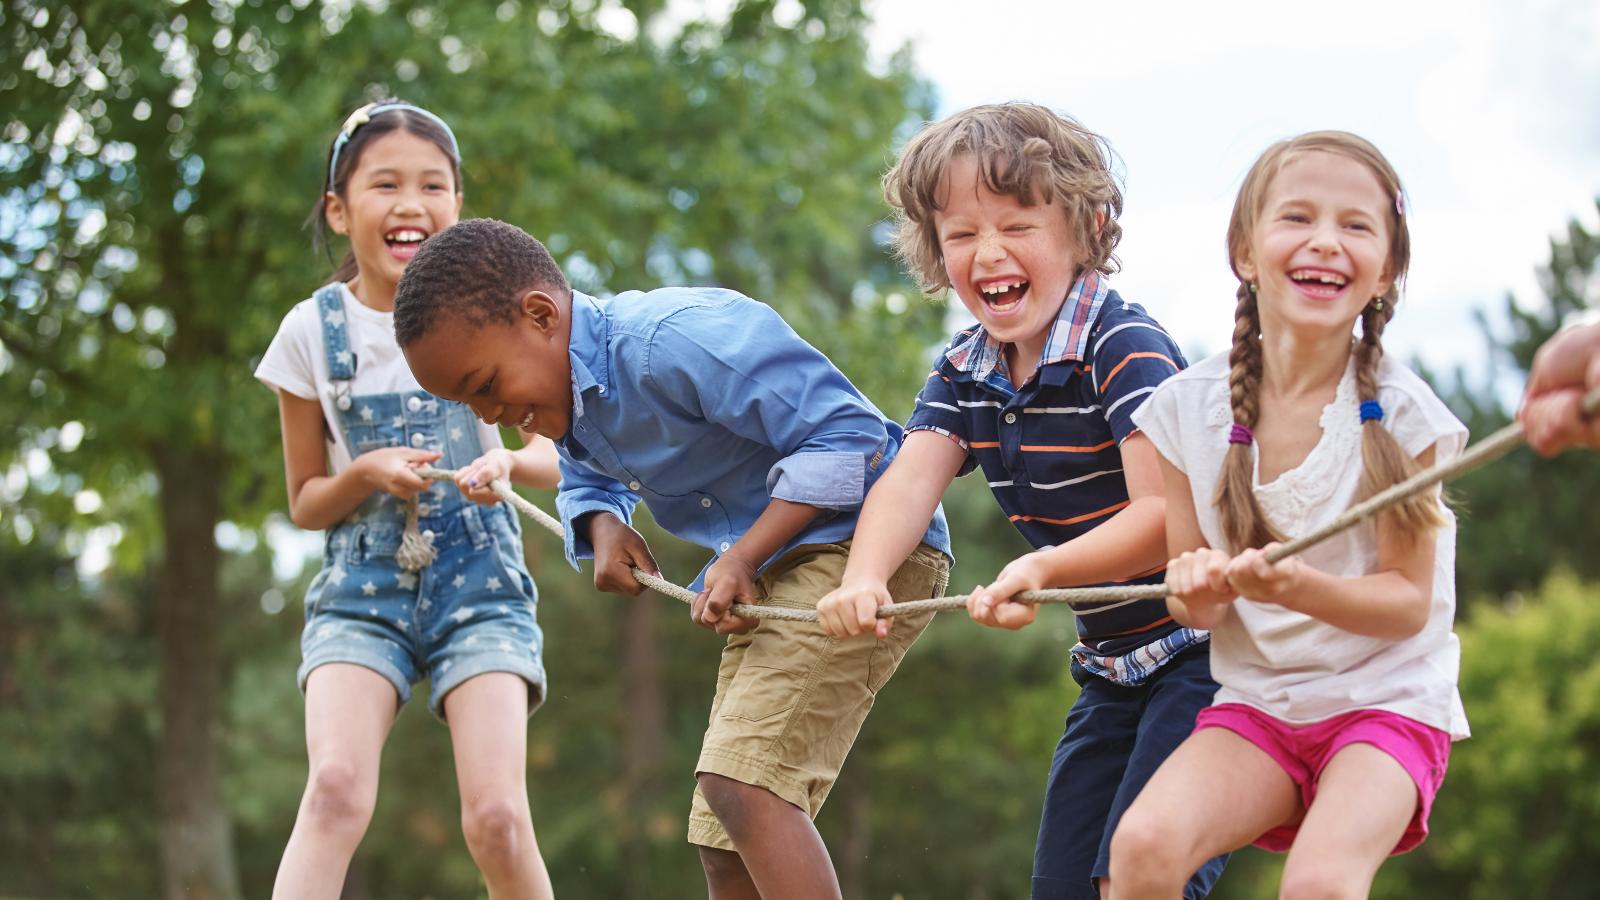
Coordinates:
765 383
583 491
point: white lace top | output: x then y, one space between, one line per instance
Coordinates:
1294 667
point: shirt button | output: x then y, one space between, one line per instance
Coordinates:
343 402
601 389
705 502
633 485
417 439
722 547
1011 418
414 404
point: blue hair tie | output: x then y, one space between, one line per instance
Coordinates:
1371 410
364 115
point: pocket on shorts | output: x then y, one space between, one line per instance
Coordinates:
759 693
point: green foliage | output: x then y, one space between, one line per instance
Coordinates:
1525 515
1521 803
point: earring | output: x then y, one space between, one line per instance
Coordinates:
1251 285
1377 304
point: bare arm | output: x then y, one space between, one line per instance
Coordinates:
1391 603
893 519
1128 544
318 500
1198 590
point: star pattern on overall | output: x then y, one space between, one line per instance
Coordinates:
334 317
344 357
458 581
461 615
493 583
336 574
369 589
366 414
455 433
406 580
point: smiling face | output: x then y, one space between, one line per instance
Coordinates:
1319 251
400 191
513 374
1011 265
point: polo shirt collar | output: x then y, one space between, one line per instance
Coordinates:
978 355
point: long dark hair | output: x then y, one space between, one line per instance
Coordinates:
360 137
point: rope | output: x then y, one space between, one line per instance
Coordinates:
1478 455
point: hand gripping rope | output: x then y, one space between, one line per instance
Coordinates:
1480 454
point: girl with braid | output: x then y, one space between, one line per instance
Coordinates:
1330 731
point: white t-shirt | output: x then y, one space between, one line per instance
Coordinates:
1287 664
297 363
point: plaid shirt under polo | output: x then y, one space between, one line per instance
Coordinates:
1050 449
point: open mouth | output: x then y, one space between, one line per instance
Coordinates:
403 242
1004 295
1319 283
526 422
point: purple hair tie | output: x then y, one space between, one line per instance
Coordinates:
1371 409
1240 434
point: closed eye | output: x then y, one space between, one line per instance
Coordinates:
484 389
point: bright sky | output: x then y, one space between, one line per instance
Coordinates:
1490 112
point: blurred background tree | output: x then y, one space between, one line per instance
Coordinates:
159 161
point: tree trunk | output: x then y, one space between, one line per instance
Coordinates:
644 738
854 789
196 835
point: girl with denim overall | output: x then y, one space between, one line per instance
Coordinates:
458 607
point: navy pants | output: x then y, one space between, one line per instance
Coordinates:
1115 738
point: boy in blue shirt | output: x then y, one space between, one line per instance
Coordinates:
741 438
1014 208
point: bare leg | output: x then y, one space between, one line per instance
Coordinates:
488 717
1215 793
1364 802
349 710
781 851
726 876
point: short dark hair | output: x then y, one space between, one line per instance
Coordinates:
475 269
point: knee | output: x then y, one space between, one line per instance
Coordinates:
1318 881
733 802
336 797
722 866
497 829
1147 855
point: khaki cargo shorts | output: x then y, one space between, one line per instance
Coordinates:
790 700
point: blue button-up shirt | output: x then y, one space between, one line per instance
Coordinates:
706 404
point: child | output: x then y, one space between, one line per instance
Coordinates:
1331 731
355 427
1014 207
741 438
1564 370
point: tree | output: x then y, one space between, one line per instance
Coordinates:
159 158
1525 516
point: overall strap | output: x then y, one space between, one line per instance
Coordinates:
336 342
335 338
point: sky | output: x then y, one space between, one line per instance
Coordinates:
1490 111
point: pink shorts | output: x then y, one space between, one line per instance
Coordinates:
1304 751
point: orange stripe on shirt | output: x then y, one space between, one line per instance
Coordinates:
1156 624
1149 354
1058 448
1075 519
982 445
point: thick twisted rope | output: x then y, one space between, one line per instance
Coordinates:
1478 455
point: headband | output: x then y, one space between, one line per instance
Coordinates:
364 115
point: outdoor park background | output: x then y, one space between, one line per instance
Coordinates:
159 161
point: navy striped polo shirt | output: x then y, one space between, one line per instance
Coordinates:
1050 449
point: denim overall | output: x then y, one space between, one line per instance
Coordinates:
472 610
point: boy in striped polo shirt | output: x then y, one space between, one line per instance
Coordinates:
1014 208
